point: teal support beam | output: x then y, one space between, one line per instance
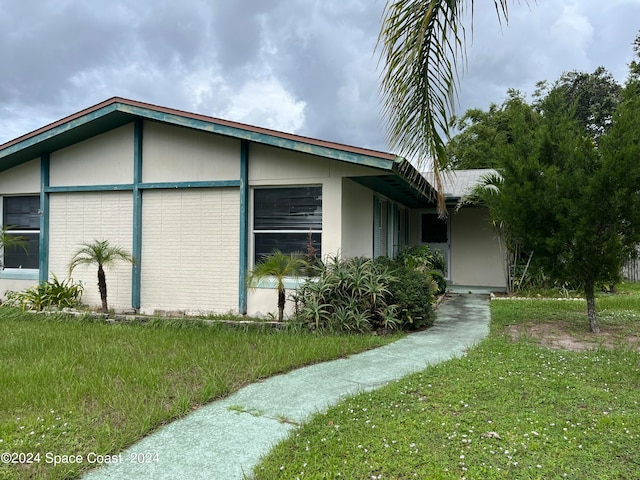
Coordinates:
244 225
43 261
137 213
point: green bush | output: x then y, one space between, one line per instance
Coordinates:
54 293
348 295
413 294
360 295
426 260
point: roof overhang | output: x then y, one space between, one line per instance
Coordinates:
404 184
398 179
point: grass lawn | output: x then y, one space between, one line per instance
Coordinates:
516 406
71 387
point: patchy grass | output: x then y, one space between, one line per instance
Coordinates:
511 408
564 323
75 386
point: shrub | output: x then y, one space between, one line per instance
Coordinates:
360 294
426 260
413 293
54 293
348 295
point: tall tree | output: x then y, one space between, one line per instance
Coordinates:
485 137
574 203
421 42
594 96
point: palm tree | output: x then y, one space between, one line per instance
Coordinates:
99 253
278 266
421 41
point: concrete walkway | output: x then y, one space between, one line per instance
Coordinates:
225 439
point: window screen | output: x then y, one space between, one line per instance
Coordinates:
287 219
21 213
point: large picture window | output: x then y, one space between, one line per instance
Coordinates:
20 214
284 218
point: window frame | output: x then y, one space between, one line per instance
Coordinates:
302 231
13 271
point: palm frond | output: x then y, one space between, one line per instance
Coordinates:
8 240
277 265
421 42
480 194
98 252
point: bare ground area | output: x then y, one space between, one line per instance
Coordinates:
557 335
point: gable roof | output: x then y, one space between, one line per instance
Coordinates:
404 182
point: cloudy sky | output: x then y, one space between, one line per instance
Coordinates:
301 66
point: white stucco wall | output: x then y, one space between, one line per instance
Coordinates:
174 154
476 258
190 250
22 179
14 285
357 220
103 159
78 218
271 166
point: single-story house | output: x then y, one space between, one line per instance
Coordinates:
197 200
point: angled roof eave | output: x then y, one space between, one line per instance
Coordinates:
117 111
415 180
397 175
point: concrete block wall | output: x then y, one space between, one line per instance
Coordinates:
190 250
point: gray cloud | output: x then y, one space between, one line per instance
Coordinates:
305 66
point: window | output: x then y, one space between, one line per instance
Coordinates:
21 215
434 229
284 218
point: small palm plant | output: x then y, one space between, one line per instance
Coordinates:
99 253
278 266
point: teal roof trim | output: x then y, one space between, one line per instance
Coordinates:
117 112
263 137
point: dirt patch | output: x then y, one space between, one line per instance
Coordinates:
557 336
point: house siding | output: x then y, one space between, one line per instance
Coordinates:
174 154
181 195
190 250
105 159
476 259
78 218
357 220
22 179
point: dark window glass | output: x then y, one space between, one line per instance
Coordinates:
298 208
21 213
284 219
21 216
25 255
434 229
266 243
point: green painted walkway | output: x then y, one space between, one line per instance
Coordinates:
225 439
